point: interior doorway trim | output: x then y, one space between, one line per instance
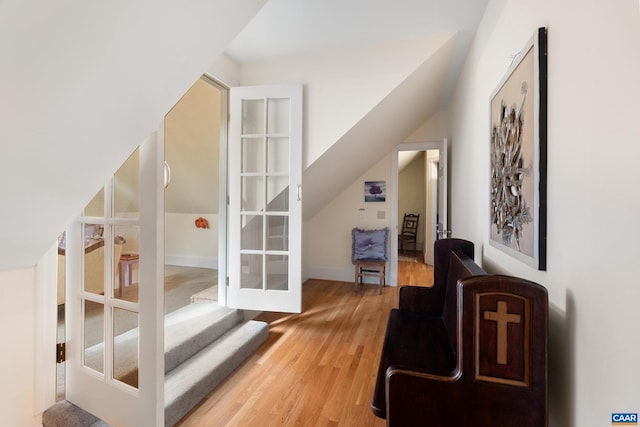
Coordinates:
46 334
223 198
410 146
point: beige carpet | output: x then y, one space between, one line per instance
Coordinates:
180 284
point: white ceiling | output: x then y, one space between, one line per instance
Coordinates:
289 27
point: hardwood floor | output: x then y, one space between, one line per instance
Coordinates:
317 368
414 273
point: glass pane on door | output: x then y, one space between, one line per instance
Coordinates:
278 155
253 155
278 193
96 205
251 271
253 193
277 233
93 334
251 237
126 257
252 116
278 117
126 188
125 346
277 272
93 258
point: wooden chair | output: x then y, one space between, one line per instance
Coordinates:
370 268
369 255
409 233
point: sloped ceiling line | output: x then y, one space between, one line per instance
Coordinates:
81 95
386 125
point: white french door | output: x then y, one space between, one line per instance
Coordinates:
115 335
265 206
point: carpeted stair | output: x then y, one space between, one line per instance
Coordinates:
199 355
204 343
66 414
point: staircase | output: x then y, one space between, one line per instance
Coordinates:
202 351
204 343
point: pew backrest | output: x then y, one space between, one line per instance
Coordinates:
504 332
461 266
442 258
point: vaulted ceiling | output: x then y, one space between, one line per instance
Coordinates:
337 36
83 83
290 27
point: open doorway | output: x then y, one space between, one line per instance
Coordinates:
419 188
417 212
418 196
192 136
412 205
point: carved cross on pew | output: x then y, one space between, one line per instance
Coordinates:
502 319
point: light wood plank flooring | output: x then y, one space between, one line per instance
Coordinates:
317 368
415 273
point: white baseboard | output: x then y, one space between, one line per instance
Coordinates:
341 275
191 261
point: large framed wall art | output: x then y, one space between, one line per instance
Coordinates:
518 178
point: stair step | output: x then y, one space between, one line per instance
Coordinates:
186 385
204 343
193 327
66 414
187 331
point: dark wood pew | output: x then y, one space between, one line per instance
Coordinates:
471 351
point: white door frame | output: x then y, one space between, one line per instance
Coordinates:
431 207
413 146
46 319
223 193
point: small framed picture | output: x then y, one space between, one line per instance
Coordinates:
375 191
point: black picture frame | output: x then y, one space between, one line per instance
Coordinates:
518 156
375 191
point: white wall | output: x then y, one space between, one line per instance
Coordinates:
435 128
187 245
594 144
81 85
192 149
192 146
327 236
593 203
224 70
342 86
18 335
